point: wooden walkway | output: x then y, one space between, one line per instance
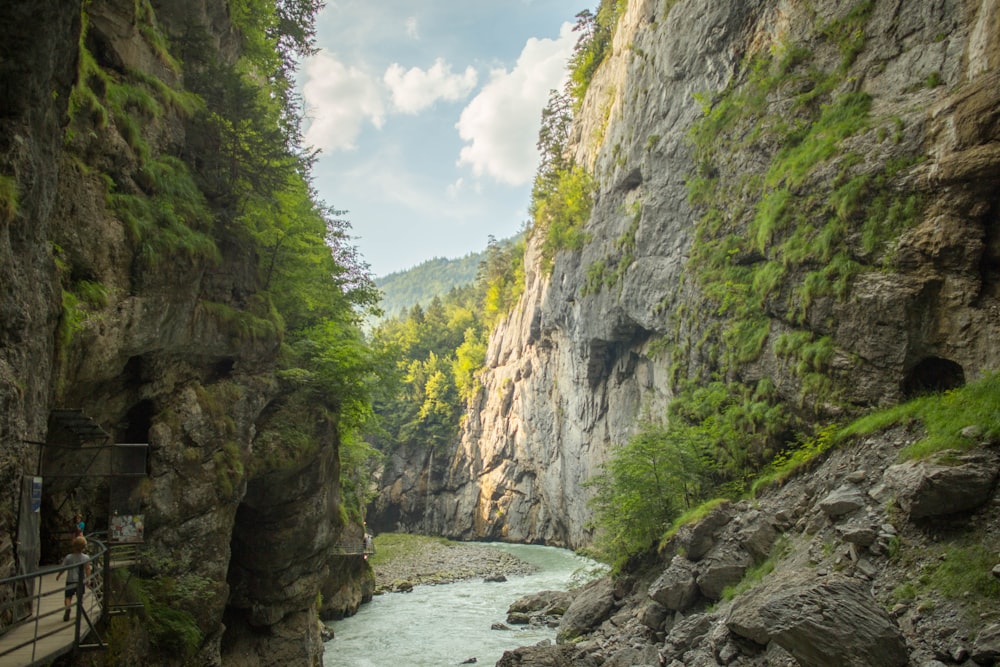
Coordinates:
45 635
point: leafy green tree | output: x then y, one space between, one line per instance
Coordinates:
439 411
468 362
438 352
643 487
735 428
553 134
500 281
716 438
560 207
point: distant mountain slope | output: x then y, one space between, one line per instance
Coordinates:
435 277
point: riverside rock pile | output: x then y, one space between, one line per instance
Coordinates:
839 567
443 563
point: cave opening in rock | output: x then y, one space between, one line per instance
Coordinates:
137 422
933 374
223 369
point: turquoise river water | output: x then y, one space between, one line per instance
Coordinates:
450 623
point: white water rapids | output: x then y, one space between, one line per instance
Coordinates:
447 624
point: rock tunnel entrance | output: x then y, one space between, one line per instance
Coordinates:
933 374
94 473
138 421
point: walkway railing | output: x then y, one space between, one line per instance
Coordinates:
34 632
365 548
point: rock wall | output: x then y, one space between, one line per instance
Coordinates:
150 363
36 64
572 370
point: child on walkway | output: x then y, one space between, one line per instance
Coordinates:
73 585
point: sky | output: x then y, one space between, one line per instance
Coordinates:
426 116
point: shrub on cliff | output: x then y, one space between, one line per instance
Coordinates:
644 486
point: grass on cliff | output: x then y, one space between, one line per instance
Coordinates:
392 546
754 575
943 416
948 574
799 233
693 515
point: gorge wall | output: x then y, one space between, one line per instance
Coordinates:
161 357
894 282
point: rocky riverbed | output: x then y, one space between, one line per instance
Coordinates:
427 561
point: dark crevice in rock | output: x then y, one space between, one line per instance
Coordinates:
631 181
989 268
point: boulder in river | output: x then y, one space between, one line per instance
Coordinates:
562 655
539 607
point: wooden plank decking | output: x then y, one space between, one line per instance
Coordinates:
54 636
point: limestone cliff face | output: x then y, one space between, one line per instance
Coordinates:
572 370
151 360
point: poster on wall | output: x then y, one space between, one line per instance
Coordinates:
36 494
127 527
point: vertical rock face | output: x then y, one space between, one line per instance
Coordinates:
150 362
571 371
37 66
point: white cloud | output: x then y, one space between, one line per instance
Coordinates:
454 189
412 28
339 100
500 125
415 89
394 183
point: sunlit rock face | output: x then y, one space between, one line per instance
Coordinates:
572 370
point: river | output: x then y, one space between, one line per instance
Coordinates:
450 623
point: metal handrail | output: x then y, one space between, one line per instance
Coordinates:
353 548
94 582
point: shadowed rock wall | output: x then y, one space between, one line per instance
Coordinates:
151 361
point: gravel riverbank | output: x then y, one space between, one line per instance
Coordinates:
428 561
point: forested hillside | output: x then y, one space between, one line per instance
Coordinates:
436 277
436 352
432 278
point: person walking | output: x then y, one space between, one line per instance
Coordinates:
74 585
